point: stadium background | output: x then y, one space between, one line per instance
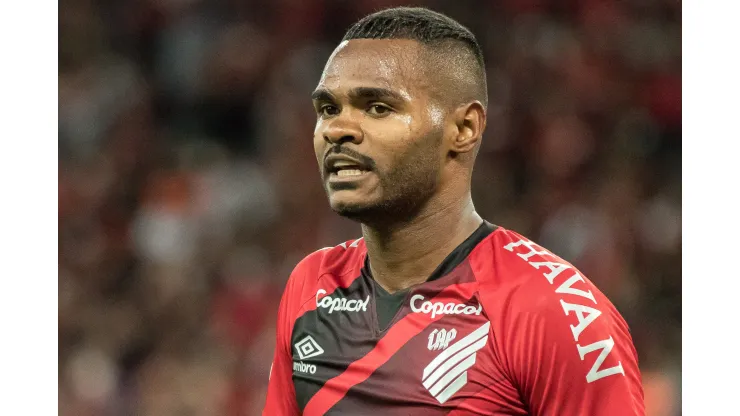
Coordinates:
188 188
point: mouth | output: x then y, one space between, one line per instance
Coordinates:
347 174
344 169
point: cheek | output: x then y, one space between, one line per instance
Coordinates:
436 116
392 135
421 157
388 146
412 164
319 144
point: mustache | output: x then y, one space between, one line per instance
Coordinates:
339 150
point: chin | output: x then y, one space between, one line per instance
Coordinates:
349 209
380 211
377 213
353 208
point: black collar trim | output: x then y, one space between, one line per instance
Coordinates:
453 259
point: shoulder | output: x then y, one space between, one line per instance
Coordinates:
542 302
344 259
521 279
337 260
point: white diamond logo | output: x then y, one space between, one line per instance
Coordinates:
307 348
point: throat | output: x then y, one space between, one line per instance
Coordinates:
417 255
393 283
396 271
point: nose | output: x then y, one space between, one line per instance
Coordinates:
342 129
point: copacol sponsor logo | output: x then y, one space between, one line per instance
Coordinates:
306 348
419 305
340 304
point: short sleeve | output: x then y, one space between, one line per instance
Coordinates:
571 355
281 399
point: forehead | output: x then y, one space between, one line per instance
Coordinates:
386 63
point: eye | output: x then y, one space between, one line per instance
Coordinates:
378 110
327 110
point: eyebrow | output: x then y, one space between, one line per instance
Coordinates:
322 95
360 92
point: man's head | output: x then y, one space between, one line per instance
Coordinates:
400 113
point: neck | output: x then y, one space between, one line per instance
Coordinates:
405 254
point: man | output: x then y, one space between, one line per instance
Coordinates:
434 310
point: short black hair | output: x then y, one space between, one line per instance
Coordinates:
437 31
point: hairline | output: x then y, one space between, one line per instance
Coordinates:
434 57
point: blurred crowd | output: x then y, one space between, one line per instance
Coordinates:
188 188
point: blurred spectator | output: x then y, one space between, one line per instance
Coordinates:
188 188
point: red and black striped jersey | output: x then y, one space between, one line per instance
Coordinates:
502 327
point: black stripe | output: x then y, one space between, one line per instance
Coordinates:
345 336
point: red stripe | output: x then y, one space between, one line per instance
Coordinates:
329 280
399 334
466 407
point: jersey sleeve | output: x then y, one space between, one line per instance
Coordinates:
281 399
571 356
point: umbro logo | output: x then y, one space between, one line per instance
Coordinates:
448 372
308 348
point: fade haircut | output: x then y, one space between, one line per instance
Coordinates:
452 47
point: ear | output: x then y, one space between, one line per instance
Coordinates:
470 120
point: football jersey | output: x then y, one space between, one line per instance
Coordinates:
501 327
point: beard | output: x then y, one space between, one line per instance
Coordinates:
405 188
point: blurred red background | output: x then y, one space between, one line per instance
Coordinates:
188 188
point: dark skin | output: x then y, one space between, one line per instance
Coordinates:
376 103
